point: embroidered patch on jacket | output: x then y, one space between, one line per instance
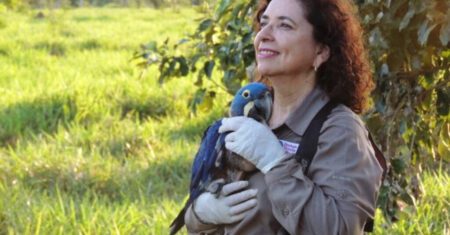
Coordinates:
289 147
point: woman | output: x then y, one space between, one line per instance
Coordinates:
311 52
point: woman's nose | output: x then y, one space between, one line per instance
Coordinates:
265 34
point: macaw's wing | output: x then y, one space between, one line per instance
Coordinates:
205 159
202 169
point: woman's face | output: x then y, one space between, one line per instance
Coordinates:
285 44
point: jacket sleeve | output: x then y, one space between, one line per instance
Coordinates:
340 191
195 226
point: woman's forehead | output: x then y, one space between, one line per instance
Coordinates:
280 9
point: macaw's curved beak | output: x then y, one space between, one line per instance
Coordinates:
261 108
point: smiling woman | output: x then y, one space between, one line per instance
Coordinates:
282 26
311 53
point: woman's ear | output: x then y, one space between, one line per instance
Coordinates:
322 55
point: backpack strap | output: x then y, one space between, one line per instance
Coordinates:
380 156
368 227
308 144
308 147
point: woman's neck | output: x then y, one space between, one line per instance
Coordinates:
289 94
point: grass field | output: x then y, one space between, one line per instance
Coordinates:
88 147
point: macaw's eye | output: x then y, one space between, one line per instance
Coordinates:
246 94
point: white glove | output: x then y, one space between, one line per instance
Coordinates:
253 141
230 207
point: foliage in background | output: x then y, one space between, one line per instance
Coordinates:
40 4
221 47
408 42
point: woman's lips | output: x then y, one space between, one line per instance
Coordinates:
264 53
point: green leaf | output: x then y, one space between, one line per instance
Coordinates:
193 62
223 6
197 99
407 18
444 35
235 23
403 127
161 67
408 198
142 64
424 32
442 102
444 142
167 71
207 101
228 76
184 68
398 165
231 80
208 68
199 81
204 25
247 38
182 41
152 46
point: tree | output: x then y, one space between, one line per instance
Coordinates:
408 42
409 48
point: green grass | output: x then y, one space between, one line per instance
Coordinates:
88 147
432 215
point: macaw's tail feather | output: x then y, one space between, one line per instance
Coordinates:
178 222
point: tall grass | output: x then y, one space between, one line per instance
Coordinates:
88 147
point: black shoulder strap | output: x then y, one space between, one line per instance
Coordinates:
380 156
308 147
368 227
308 144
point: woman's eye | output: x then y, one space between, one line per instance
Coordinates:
262 24
285 26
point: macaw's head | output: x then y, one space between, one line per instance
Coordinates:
253 100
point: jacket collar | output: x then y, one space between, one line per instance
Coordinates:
299 120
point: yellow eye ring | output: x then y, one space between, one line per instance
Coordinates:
246 94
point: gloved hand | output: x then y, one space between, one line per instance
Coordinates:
253 141
230 207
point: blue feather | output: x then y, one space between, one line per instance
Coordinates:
205 159
253 100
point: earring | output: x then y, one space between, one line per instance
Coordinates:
315 68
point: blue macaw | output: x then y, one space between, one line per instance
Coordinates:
212 161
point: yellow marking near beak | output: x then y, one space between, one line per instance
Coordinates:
249 106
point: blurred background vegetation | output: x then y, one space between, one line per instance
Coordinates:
23 4
103 104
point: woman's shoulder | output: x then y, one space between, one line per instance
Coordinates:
343 117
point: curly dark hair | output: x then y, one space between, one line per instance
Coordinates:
346 76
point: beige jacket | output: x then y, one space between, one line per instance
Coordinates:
336 197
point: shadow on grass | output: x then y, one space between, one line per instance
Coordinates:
90 44
168 180
58 49
152 107
4 52
196 126
45 115
92 18
34 117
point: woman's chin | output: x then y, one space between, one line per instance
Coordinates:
266 72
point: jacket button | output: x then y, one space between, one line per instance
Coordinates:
341 194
